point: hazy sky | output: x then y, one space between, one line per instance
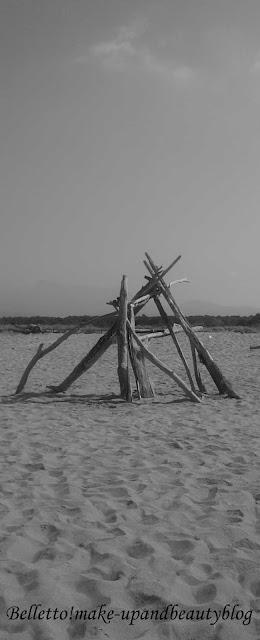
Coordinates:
125 126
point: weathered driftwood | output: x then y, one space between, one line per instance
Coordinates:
254 346
173 263
198 379
150 356
129 344
180 281
221 383
143 299
164 333
131 350
153 334
166 320
40 353
92 356
152 282
143 383
122 344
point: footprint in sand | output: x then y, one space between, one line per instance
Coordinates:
149 518
206 593
131 504
255 588
111 516
77 630
112 576
56 473
29 579
180 548
139 549
51 531
36 466
117 532
119 492
89 587
28 513
95 556
45 554
235 515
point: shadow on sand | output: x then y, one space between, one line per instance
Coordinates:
43 397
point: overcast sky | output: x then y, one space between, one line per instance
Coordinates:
125 126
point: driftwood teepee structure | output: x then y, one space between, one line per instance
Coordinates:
132 350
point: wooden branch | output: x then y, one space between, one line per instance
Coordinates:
43 352
220 381
180 281
175 340
141 300
143 384
256 346
147 288
131 345
40 353
164 333
94 354
122 344
154 334
200 384
150 356
173 263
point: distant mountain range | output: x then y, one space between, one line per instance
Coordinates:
52 299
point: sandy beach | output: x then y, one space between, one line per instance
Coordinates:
108 506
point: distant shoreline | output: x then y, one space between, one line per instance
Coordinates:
99 324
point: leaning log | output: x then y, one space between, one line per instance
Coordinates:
94 354
150 356
143 384
198 378
166 320
221 383
122 344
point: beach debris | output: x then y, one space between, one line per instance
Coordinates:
132 348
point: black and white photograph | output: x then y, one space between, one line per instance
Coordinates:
129 319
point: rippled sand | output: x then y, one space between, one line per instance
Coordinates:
135 506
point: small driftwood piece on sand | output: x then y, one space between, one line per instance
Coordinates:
150 356
122 344
143 383
164 333
40 353
254 346
221 383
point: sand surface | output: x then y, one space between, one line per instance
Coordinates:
130 506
